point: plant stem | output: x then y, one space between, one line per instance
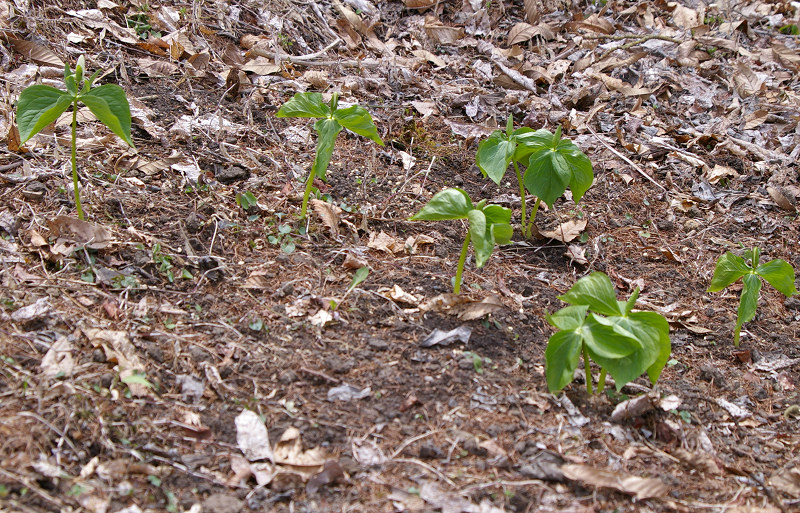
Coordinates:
521 195
307 193
601 382
532 218
75 161
587 370
460 268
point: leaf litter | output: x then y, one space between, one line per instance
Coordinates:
689 114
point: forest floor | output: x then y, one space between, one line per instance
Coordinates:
133 347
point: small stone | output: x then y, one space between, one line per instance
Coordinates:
692 224
198 354
35 191
106 380
429 451
713 375
99 356
792 303
287 377
665 225
378 344
231 174
339 365
193 224
222 503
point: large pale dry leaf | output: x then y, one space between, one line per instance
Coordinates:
640 487
157 67
685 17
58 360
786 56
719 172
96 19
289 451
39 54
328 213
37 310
85 233
784 197
384 242
699 460
522 32
441 33
430 57
256 280
745 81
261 66
252 437
119 349
621 86
478 309
420 4
787 480
565 232
595 23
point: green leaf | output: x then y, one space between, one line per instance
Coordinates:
607 339
502 233
304 105
110 105
327 130
596 291
481 237
136 379
494 155
568 318
729 269
580 167
358 277
498 219
38 106
652 332
779 274
561 359
448 204
357 120
747 303
547 175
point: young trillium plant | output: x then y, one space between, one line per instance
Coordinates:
778 273
622 342
552 165
39 105
488 224
331 121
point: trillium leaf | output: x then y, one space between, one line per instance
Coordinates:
747 303
547 175
109 104
358 120
327 130
561 359
481 237
447 204
607 341
38 106
729 269
568 318
494 155
779 274
596 291
304 105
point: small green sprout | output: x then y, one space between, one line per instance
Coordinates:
488 225
778 273
39 105
331 121
551 165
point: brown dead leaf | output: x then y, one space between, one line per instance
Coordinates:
471 310
783 197
425 55
384 242
522 32
787 480
261 66
565 232
420 4
157 67
72 229
39 54
640 487
786 56
595 23
351 261
119 349
257 280
13 140
615 84
441 33
328 214
745 81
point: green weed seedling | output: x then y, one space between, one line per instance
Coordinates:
488 224
39 105
778 273
622 342
331 121
551 165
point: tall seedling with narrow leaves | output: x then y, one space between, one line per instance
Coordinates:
331 121
622 342
488 225
778 273
552 165
39 105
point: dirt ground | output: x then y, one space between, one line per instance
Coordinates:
132 349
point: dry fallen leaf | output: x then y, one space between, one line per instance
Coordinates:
565 232
640 487
328 214
85 233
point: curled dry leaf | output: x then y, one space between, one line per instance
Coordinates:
58 360
328 214
420 4
39 54
85 233
252 437
441 33
640 487
565 232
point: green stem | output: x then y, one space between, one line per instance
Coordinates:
460 269
521 195
601 382
307 194
587 370
533 217
75 160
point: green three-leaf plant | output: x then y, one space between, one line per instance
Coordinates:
331 121
552 164
778 273
622 342
39 105
488 224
